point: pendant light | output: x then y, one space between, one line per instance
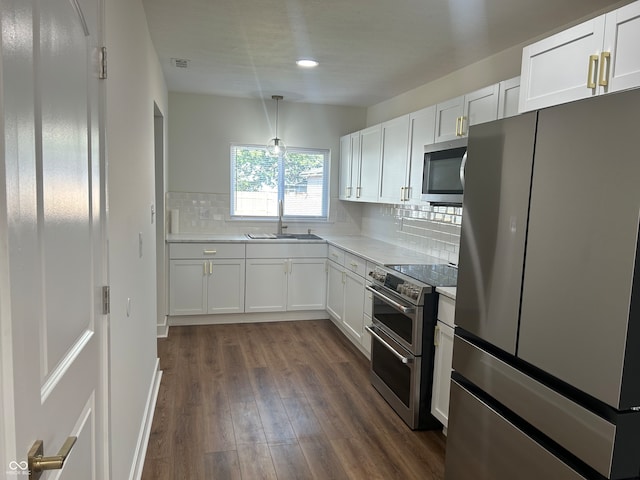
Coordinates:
276 146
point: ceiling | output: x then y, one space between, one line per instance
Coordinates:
369 50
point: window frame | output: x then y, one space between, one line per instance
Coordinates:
326 152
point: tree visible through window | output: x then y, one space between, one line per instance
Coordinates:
259 180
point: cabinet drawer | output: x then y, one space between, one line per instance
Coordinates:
446 310
206 250
336 255
287 250
355 264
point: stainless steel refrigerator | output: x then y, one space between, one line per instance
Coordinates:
546 359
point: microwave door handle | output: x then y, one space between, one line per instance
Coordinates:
463 164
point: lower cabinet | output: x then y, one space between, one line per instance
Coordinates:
443 340
282 284
279 284
206 278
348 302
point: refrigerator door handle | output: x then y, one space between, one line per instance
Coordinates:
463 164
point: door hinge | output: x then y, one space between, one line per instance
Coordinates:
103 63
106 300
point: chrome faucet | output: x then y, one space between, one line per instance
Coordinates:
280 214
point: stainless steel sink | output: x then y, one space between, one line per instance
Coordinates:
283 236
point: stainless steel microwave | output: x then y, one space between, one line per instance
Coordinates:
443 174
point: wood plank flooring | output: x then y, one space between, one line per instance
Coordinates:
285 400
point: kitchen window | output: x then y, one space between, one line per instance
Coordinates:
259 181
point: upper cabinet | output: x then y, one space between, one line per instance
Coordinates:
368 186
345 167
454 117
509 97
395 154
598 56
421 132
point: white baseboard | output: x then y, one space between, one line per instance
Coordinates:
247 317
145 430
163 328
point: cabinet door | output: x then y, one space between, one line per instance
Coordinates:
422 126
555 70
447 115
395 154
509 97
354 305
225 290
307 284
266 285
621 41
368 309
442 372
188 287
480 106
355 164
335 290
345 166
370 151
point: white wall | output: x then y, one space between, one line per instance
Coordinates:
134 83
202 127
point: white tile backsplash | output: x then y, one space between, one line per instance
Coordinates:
428 229
423 228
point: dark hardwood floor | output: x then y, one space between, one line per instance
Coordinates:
286 400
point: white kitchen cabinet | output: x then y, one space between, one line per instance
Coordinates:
596 57
354 305
509 97
285 277
563 67
306 284
266 285
448 115
349 165
335 291
367 309
421 132
368 184
206 278
188 287
454 117
395 155
345 167
621 69
443 340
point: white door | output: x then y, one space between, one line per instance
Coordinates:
509 97
353 318
479 107
345 166
226 286
448 116
188 286
52 238
266 285
307 284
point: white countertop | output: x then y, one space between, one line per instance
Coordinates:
447 292
379 252
230 238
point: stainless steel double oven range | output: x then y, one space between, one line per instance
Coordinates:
402 337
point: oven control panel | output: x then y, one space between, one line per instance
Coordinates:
396 284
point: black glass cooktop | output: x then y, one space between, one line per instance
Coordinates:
441 275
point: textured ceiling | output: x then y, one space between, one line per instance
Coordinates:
369 50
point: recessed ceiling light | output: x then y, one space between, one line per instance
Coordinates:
307 63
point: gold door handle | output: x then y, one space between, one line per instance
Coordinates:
210 268
38 463
603 79
591 81
210 252
402 194
462 119
436 337
458 126
358 191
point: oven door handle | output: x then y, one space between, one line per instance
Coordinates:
391 301
400 357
